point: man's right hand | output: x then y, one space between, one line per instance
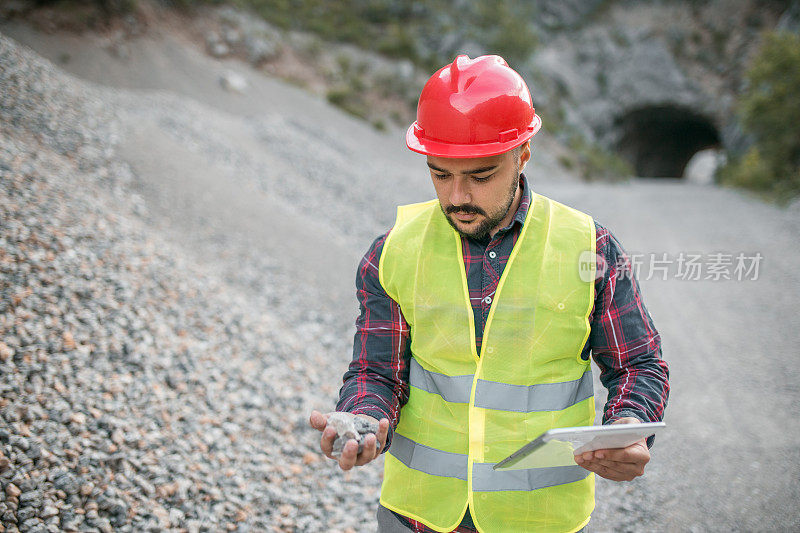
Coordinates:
350 456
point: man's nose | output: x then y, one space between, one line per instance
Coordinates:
459 195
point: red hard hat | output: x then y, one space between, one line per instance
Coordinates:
473 108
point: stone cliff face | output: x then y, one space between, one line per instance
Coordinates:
655 81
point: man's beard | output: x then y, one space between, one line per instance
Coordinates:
490 221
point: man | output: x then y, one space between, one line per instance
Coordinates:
477 324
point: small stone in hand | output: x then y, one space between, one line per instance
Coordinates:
350 427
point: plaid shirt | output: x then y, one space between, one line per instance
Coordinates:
623 340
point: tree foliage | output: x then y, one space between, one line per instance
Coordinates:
770 111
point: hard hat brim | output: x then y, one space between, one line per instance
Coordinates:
425 146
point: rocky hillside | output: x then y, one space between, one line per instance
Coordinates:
652 82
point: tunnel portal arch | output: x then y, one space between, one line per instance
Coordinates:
660 140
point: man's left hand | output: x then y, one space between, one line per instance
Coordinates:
620 464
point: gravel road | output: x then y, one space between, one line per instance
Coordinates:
176 269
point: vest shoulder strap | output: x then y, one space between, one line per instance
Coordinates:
410 211
403 242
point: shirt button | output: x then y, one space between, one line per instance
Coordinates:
492 254
490 350
486 448
484 496
487 300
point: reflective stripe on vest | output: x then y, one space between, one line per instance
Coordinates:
451 388
484 477
502 396
429 460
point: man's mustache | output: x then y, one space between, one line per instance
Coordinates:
465 210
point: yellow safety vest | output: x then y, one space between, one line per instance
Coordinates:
466 413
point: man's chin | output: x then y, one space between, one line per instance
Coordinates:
465 225
473 229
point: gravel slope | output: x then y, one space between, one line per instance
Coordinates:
141 390
160 356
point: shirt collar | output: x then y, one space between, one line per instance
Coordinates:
524 203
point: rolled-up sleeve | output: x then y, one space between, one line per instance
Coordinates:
376 382
624 341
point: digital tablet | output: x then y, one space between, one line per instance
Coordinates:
557 447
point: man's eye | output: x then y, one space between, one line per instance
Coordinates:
440 176
483 178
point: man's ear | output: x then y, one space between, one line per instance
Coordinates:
524 155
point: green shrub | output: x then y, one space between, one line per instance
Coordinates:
348 100
750 171
566 161
770 111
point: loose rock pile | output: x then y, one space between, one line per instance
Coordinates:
137 391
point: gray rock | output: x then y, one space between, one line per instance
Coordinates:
32 498
26 484
67 482
67 517
259 50
48 511
19 442
35 451
232 36
145 485
25 513
348 427
215 45
219 50
103 524
233 82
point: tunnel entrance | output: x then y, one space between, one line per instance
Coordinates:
659 140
